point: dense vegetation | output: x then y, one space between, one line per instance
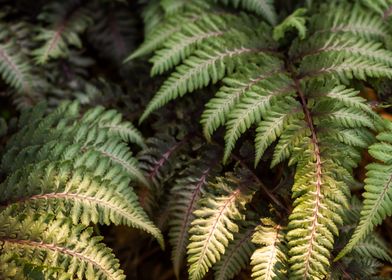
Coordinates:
277 164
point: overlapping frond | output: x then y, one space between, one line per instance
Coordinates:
55 248
67 165
237 255
215 224
185 196
269 260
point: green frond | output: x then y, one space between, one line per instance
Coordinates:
207 65
296 20
182 44
377 195
215 224
159 35
112 121
78 193
269 260
347 46
61 249
66 22
382 7
152 15
343 68
79 166
237 254
264 8
234 87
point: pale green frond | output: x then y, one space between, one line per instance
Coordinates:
293 135
161 33
269 260
319 197
14 67
296 20
206 66
215 224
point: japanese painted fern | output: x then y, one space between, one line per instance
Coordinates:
66 171
301 95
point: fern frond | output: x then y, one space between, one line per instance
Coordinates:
269 260
159 35
265 8
66 21
345 18
214 225
345 46
237 254
77 165
208 65
186 194
181 44
15 66
343 68
377 203
60 248
382 7
253 106
234 87
278 119
314 220
296 20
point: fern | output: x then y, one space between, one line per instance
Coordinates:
269 260
301 99
66 23
214 225
78 170
186 195
14 63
